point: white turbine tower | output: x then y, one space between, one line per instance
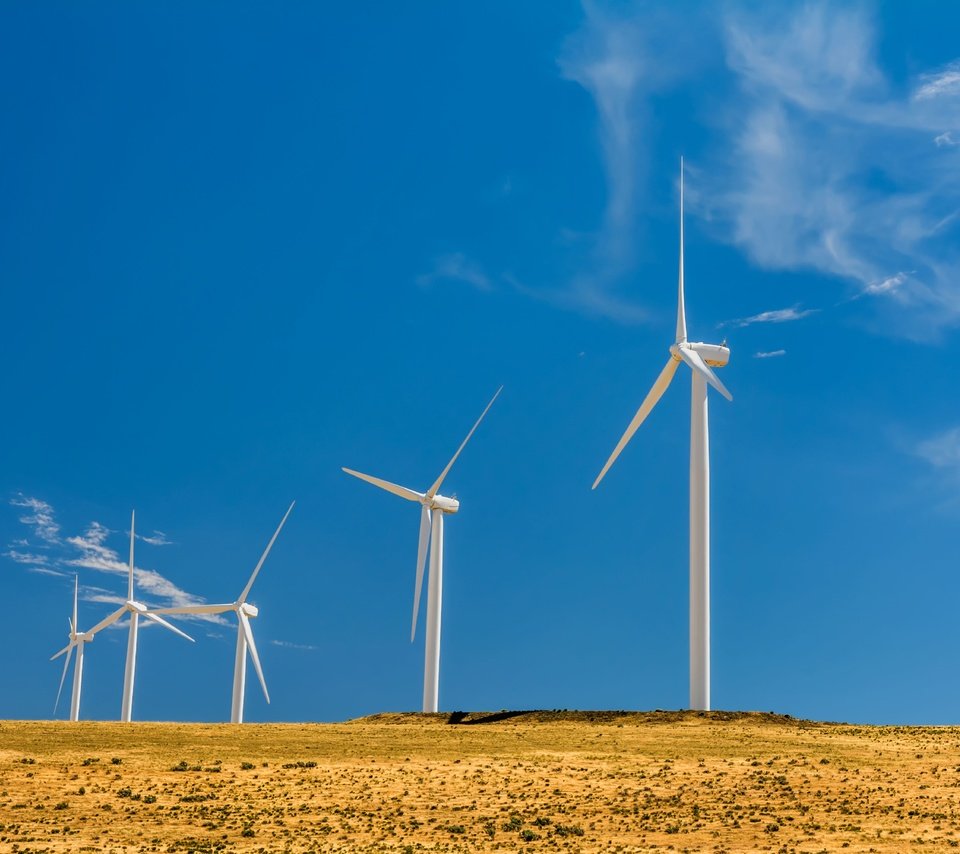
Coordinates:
77 641
244 611
698 357
136 610
433 508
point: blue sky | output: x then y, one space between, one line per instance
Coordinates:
242 247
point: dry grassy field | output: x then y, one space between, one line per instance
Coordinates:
511 781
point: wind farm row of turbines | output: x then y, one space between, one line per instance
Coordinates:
700 357
245 642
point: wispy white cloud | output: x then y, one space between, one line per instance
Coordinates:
28 558
45 570
779 315
290 645
92 594
158 538
820 160
772 354
615 57
57 555
942 451
39 516
94 554
456 267
37 563
944 82
829 165
887 285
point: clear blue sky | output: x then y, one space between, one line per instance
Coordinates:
242 246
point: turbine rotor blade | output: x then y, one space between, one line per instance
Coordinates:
681 310
151 616
133 516
655 393
402 491
436 486
252 646
67 648
263 557
696 363
116 615
194 609
425 520
76 587
63 676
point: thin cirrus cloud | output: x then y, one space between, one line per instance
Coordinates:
306 647
940 83
834 167
942 451
455 267
820 160
778 315
771 354
49 553
38 515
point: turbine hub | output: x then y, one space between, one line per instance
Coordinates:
715 355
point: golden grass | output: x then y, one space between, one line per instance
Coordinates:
534 781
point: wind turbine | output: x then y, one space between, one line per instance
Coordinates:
244 611
433 508
77 640
699 357
136 610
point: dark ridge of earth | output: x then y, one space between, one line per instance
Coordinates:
658 716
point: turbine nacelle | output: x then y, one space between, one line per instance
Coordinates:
248 609
441 503
715 355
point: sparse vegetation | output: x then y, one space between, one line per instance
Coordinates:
532 782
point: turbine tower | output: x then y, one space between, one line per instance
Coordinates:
136 610
434 507
77 641
699 357
244 611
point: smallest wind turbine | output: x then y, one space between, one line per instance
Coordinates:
433 508
136 610
77 641
244 611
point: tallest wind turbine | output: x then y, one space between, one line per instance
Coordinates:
699 357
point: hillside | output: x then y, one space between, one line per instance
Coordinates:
578 781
